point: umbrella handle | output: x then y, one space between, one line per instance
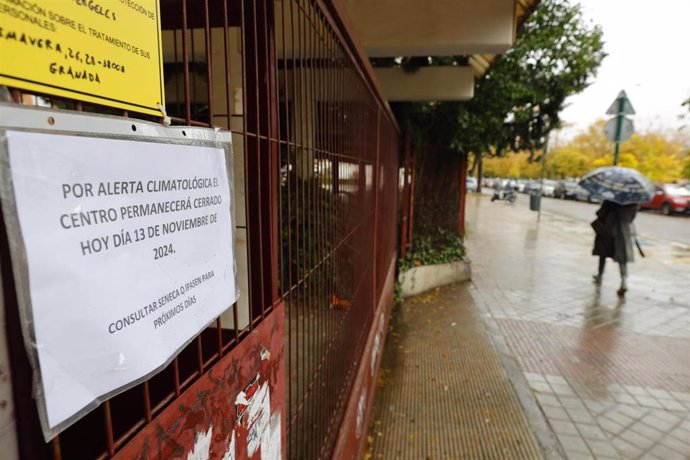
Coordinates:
639 248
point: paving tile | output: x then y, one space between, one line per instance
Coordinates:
672 404
573 444
572 403
548 400
624 398
619 418
591 432
563 390
625 449
680 433
637 440
636 391
579 456
580 415
665 453
555 413
632 411
680 396
649 401
673 443
611 427
647 431
595 407
557 379
659 393
541 387
661 421
602 448
564 427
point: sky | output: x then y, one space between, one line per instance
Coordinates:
648 47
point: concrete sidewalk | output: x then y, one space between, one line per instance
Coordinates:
608 377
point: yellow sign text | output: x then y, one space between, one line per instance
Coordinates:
102 51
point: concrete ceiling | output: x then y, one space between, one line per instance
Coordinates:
478 29
433 27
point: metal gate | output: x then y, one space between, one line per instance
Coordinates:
316 165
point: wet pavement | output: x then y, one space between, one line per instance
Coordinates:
611 375
593 375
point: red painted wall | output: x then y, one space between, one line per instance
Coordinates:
226 413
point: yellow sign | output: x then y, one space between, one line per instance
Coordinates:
102 51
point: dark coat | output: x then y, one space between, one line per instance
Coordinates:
614 233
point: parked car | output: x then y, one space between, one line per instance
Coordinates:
521 183
549 188
669 198
583 195
530 186
565 189
471 185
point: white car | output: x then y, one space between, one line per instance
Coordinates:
471 185
549 188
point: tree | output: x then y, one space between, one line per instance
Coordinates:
517 102
660 158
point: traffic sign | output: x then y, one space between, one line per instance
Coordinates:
626 109
627 129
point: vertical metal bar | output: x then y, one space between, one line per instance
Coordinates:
185 63
193 76
462 197
16 95
288 171
147 401
410 226
209 66
177 79
257 245
176 375
199 355
236 322
293 427
219 337
226 45
313 218
300 232
109 438
245 115
406 198
274 165
55 448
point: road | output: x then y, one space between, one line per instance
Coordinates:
648 223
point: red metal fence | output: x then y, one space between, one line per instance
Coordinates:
319 161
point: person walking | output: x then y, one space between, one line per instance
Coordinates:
614 234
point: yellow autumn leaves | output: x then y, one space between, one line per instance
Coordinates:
659 157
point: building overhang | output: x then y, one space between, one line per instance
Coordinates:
389 28
447 83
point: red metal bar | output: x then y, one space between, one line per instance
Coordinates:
55 447
463 196
147 401
209 63
405 214
410 226
108 420
226 38
185 62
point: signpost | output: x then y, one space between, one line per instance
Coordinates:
619 128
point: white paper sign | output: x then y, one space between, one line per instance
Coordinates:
130 254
